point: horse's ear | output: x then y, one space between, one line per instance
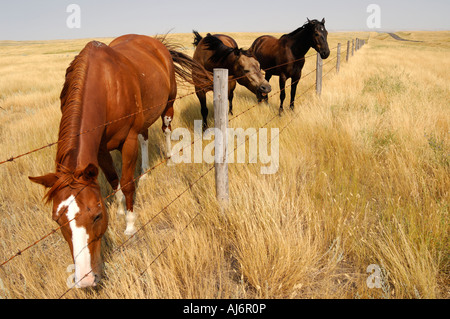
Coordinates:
309 21
47 180
90 172
323 21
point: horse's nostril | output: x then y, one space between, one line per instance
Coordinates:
265 88
325 54
96 279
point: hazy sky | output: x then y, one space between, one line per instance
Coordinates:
46 19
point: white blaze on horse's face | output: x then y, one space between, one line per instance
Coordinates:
84 276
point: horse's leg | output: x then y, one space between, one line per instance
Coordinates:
231 87
167 117
295 80
143 141
201 94
107 165
282 91
129 157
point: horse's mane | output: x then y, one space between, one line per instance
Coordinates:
220 50
303 27
67 177
69 127
71 104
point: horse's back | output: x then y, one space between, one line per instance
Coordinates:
109 72
227 40
155 68
203 53
143 51
266 50
263 41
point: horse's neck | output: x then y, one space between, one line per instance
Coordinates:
229 63
86 148
79 158
300 43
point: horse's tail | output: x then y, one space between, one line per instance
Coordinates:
197 38
190 71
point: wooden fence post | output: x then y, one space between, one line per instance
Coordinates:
348 51
353 47
338 62
319 65
221 140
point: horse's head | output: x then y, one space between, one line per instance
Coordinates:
79 210
248 72
319 37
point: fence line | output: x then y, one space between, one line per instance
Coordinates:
155 166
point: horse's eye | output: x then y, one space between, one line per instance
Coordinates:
97 218
246 71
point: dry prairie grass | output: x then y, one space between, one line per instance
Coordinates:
363 179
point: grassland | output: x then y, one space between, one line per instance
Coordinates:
363 179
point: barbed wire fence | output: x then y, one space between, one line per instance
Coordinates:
352 47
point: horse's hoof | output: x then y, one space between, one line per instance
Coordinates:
281 112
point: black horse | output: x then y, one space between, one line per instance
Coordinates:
285 56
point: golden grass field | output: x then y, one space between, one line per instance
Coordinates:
363 179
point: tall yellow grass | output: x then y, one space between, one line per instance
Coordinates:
363 179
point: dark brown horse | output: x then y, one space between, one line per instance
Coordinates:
104 85
285 56
222 51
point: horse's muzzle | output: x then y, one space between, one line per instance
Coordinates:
324 54
265 88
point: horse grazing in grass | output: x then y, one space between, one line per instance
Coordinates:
222 51
111 96
285 56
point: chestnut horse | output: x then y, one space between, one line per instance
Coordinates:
285 56
222 51
111 96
